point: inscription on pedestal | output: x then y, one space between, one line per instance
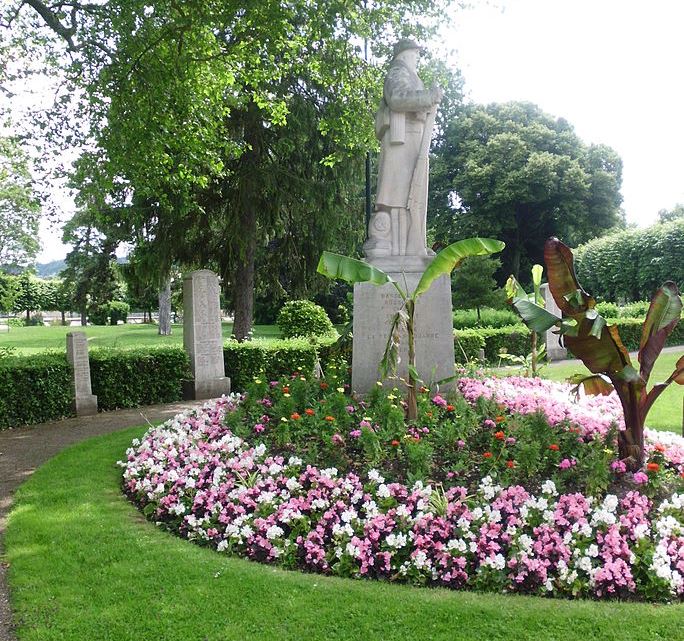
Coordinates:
374 310
554 351
202 337
85 402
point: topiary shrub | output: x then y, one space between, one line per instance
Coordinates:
304 318
118 311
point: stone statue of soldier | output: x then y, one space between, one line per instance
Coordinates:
403 125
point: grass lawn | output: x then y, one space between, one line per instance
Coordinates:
666 414
85 565
27 340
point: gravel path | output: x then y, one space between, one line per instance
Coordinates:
24 449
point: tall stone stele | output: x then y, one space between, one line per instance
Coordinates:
202 337
397 235
85 402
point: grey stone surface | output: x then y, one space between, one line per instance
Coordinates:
554 351
85 402
202 336
374 309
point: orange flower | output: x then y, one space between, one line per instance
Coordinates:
330 418
324 386
450 408
499 435
554 447
659 447
653 467
424 390
487 455
294 416
309 412
394 443
286 390
500 419
429 414
510 464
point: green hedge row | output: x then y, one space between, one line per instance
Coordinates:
516 339
37 388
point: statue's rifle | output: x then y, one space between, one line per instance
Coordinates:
417 197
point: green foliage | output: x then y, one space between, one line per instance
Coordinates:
303 318
19 206
514 339
608 310
488 317
34 389
631 264
132 377
474 285
513 172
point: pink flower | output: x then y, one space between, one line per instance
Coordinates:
355 433
337 439
640 478
259 427
618 466
439 401
566 464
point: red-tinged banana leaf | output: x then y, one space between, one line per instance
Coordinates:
565 288
594 385
663 315
603 355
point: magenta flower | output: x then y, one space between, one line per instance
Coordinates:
439 401
640 478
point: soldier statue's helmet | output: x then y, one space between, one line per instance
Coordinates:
404 44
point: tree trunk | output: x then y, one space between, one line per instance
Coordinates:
63 317
243 287
28 316
84 317
165 309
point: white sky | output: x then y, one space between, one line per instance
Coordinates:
611 68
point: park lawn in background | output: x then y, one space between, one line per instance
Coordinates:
84 564
666 413
29 340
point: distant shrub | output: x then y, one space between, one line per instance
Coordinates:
515 339
304 318
467 318
98 315
118 311
608 310
637 309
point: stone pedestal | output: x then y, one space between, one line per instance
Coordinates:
85 402
202 336
554 351
374 309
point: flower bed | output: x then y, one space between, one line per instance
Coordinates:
240 475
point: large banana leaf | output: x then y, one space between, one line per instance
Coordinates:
563 283
351 270
535 316
663 315
452 256
603 354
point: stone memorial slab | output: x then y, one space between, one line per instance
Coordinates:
202 336
85 402
554 350
374 309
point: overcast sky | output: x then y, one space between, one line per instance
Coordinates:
611 68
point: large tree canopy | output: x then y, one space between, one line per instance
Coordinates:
19 207
512 172
219 131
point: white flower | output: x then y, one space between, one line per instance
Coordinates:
292 484
274 532
396 540
274 469
329 472
549 487
374 475
457 544
260 450
383 491
348 515
222 545
294 461
593 550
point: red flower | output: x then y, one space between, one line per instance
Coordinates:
652 467
659 447
510 464
294 416
499 435
309 412
554 447
450 408
330 418
286 390
500 419
324 386
394 443
487 455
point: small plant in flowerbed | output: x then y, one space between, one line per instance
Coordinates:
507 485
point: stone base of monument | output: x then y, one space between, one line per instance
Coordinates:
85 405
374 309
200 390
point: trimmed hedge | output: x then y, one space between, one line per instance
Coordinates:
516 339
132 377
34 389
630 332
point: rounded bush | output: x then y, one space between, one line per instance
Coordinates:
608 310
303 318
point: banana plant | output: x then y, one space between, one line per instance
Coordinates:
598 345
515 291
355 271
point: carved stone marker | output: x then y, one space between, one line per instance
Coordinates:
85 402
396 233
202 337
554 351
